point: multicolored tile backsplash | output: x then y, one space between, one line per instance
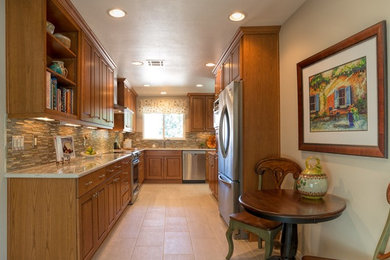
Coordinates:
100 140
44 152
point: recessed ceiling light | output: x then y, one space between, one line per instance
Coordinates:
137 63
163 92
199 85
116 13
146 85
210 64
237 16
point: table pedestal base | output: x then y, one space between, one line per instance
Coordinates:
289 246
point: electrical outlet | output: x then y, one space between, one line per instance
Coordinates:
17 142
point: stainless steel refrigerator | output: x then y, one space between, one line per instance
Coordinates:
229 150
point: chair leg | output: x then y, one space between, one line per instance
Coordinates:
260 243
269 245
229 237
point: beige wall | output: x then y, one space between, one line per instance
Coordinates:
3 191
361 181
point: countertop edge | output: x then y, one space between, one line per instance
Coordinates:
48 175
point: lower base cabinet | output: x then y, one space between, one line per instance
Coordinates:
54 218
212 172
163 166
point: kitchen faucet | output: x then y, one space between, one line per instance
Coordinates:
164 142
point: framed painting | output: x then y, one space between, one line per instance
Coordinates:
342 93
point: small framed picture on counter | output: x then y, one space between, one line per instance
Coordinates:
64 146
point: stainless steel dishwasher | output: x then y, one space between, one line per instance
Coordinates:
194 166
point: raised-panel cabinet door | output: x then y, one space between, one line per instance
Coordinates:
154 168
86 225
226 72
209 113
173 168
236 63
198 108
104 91
118 195
102 212
218 82
111 201
86 90
110 96
96 85
141 169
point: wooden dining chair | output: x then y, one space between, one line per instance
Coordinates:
382 243
272 172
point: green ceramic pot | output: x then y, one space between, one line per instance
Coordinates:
312 183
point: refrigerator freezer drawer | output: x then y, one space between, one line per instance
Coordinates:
228 192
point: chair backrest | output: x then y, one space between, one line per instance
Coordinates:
382 243
272 172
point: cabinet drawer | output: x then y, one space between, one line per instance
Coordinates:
90 181
113 168
126 162
163 153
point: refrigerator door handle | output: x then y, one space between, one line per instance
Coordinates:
224 180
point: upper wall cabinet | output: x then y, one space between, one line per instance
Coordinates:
126 120
201 112
56 68
42 68
97 89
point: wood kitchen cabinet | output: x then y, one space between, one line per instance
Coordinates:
201 112
93 220
85 94
212 172
82 213
218 82
252 57
163 166
126 120
30 52
141 168
97 89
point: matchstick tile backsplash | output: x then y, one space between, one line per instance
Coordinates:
100 140
44 152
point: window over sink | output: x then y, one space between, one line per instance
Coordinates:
159 126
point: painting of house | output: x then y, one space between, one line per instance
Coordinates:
338 98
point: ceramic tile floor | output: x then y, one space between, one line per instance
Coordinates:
173 222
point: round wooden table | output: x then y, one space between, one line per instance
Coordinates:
290 208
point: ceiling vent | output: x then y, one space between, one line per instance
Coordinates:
155 63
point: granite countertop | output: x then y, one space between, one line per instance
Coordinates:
77 167
81 166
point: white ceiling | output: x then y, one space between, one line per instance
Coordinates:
186 34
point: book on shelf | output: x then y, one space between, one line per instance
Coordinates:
57 97
48 90
53 95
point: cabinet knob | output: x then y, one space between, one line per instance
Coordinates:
102 176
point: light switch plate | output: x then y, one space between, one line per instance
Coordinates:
17 142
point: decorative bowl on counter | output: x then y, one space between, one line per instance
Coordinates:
62 38
50 27
87 155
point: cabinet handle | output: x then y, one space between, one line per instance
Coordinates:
117 166
110 171
102 176
116 180
88 183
